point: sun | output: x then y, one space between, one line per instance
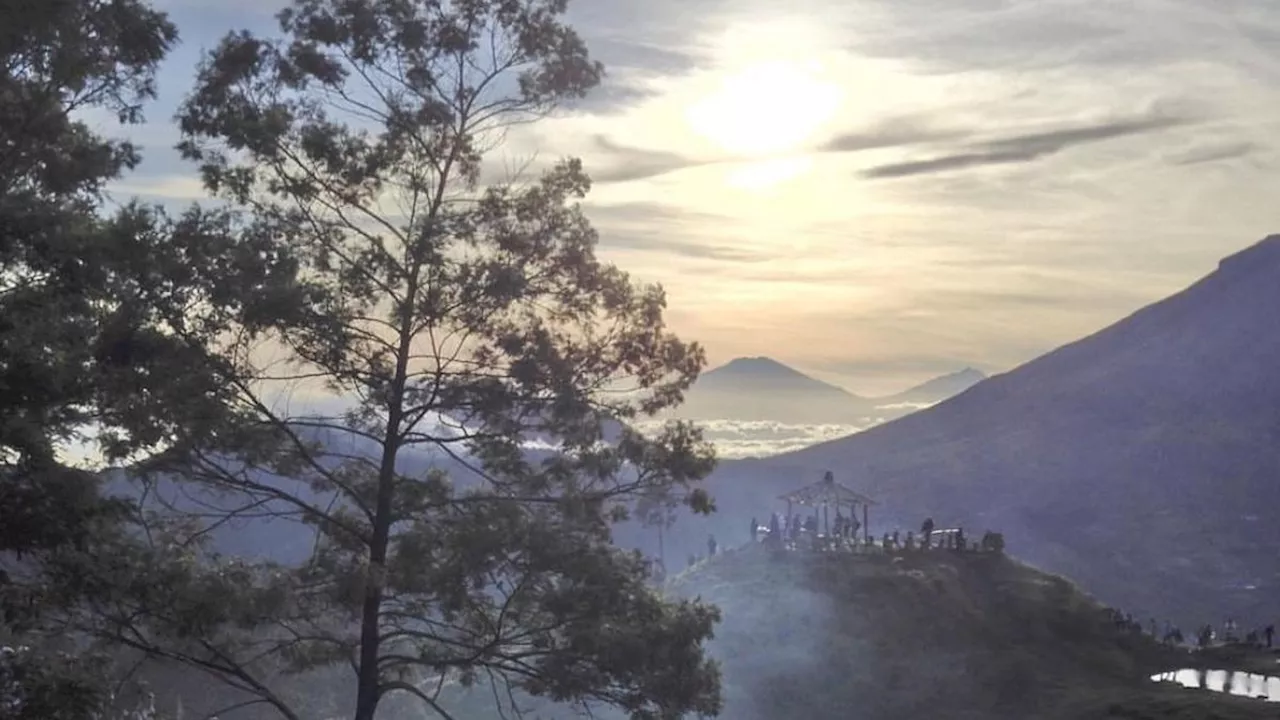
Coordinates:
766 108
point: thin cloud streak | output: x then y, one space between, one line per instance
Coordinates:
1024 148
628 164
1213 153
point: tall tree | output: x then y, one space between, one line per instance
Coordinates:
63 319
459 319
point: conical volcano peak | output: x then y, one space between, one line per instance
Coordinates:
757 366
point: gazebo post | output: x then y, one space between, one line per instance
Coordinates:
866 528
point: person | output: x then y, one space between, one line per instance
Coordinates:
926 532
1269 633
775 532
755 529
711 546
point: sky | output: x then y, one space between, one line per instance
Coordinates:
880 191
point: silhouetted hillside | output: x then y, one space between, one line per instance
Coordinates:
1143 461
937 634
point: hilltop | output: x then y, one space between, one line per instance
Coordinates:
1142 460
937 634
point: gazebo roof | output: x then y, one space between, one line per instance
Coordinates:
827 491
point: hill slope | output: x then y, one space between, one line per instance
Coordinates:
1143 460
938 634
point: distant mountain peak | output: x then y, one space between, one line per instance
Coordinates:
757 366
939 388
761 388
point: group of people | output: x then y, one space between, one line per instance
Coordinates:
1262 637
1206 635
795 532
791 529
789 532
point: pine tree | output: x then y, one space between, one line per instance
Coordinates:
363 256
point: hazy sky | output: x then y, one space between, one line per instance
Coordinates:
878 191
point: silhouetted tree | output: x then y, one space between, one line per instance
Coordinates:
364 257
66 315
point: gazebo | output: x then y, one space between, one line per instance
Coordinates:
826 493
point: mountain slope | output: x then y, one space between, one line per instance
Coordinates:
1143 460
936 390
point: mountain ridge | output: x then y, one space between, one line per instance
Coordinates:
1157 435
764 389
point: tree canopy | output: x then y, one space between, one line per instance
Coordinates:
367 257
62 318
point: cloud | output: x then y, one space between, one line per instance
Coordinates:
1026 147
623 163
1213 153
895 133
659 229
743 439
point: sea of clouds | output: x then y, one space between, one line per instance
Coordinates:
744 438
762 438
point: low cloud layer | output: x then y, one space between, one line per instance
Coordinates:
743 439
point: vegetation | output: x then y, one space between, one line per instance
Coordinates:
357 254
64 306
940 634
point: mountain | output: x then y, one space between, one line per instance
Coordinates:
935 390
1143 460
761 389
764 390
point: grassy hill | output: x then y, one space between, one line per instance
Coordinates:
935 634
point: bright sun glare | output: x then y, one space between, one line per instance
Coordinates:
768 108
766 102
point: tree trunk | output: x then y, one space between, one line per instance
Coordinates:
368 682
